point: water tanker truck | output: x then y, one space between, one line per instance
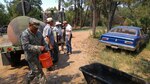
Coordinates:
10 46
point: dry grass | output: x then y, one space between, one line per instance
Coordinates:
129 62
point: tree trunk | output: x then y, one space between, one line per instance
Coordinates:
85 16
111 14
94 18
94 23
80 13
75 18
81 18
59 5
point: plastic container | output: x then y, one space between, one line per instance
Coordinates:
46 60
97 73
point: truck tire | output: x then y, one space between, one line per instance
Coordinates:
15 58
56 53
138 48
6 58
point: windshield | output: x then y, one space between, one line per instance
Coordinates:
124 30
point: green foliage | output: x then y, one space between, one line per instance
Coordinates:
2 7
124 11
52 9
128 22
138 12
4 18
75 11
144 65
70 16
67 4
148 46
100 31
35 4
35 10
137 23
11 7
35 14
145 22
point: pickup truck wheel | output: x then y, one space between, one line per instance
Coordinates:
138 49
108 47
56 53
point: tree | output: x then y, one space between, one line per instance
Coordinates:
35 7
105 10
108 10
4 18
94 17
59 5
76 7
140 13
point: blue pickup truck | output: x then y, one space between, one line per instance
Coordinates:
125 37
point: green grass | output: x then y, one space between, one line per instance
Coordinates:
99 31
148 46
127 62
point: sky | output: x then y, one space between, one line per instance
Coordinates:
46 3
49 3
2 1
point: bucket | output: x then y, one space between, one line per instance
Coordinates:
46 60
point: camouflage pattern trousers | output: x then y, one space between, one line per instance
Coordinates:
35 70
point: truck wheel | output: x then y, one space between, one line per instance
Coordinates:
107 47
15 58
138 48
6 59
56 53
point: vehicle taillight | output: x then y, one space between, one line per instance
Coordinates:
105 38
128 42
9 49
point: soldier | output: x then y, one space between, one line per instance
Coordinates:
33 44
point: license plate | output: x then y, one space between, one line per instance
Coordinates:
115 47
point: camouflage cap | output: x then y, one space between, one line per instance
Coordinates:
34 22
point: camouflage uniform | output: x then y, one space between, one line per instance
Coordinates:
31 43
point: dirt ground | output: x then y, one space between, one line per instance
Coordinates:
64 72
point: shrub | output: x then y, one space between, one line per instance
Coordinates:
148 46
128 22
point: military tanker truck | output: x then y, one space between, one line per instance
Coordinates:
10 46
